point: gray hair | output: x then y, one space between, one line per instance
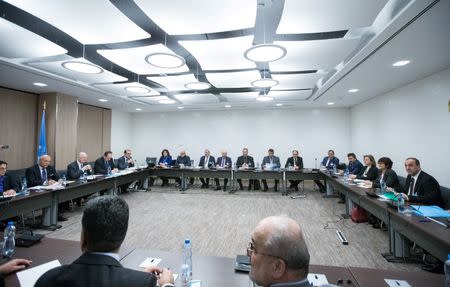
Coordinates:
286 241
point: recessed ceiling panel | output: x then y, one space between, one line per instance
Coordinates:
306 16
58 69
174 83
151 100
221 54
313 55
290 95
240 97
24 44
124 89
200 16
196 98
90 22
133 59
234 79
296 81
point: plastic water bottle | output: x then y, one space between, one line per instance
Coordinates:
401 205
9 243
83 177
257 165
64 180
25 189
346 173
382 185
186 267
334 169
447 271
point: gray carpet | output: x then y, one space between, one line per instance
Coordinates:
221 224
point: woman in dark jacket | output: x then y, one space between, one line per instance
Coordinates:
370 170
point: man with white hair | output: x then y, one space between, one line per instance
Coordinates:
42 172
278 254
223 162
79 167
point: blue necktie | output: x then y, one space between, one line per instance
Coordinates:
44 175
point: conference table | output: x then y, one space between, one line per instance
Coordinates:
215 271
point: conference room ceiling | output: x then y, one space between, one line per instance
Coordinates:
331 47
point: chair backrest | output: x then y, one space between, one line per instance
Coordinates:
150 160
16 176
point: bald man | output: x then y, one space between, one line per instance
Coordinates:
278 254
183 160
223 162
79 167
42 172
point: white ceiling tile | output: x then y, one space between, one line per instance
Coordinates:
313 55
290 95
221 54
296 81
306 16
119 89
151 100
57 69
89 22
234 79
133 59
240 97
200 16
174 83
196 98
25 44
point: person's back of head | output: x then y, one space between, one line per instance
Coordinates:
104 224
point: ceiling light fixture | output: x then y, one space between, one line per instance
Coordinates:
401 63
137 89
279 105
180 108
330 103
103 100
227 106
166 101
264 98
138 109
82 67
353 91
265 53
165 60
40 84
265 83
198 85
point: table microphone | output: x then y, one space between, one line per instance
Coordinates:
4 146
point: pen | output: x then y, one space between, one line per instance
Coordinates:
438 222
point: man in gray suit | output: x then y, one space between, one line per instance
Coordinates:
270 162
278 254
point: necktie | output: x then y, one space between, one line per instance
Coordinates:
44 175
223 162
271 160
411 186
295 161
206 161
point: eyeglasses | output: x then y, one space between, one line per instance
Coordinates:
251 250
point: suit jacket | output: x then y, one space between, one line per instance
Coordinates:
101 167
332 163
122 163
95 270
211 161
371 174
390 178
355 168
248 160
33 175
426 190
186 160
166 160
275 161
8 183
228 163
298 162
74 172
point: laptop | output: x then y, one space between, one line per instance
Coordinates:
151 161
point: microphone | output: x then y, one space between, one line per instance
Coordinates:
4 146
316 162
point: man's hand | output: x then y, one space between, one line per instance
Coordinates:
165 277
51 182
9 192
153 269
14 265
86 167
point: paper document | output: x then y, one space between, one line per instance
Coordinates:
28 277
430 211
317 279
150 262
397 283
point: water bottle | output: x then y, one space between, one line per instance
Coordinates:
447 271
382 185
83 177
401 204
334 169
9 243
25 189
346 173
186 267
109 169
257 165
64 180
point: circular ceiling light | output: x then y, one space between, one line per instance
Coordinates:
265 83
180 108
103 100
138 109
82 67
330 103
227 106
166 101
264 98
401 63
279 105
198 85
265 53
165 60
353 90
40 84
137 89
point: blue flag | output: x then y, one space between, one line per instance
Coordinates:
42 147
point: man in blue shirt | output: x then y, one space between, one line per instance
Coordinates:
329 162
7 186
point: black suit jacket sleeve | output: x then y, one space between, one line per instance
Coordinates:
427 190
73 171
290 162
371 175
122 163
99 166
33 175
9 183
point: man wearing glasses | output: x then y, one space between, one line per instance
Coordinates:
278 254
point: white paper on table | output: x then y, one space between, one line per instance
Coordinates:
175 276
28 277
150 262
397 283
317 279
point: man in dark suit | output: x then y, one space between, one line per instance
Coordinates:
420 187
79 167
125 161
7 186
328 162
105 164
183 160
104 226
296 163
270 162
41 173
223 162
246 162
206 161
